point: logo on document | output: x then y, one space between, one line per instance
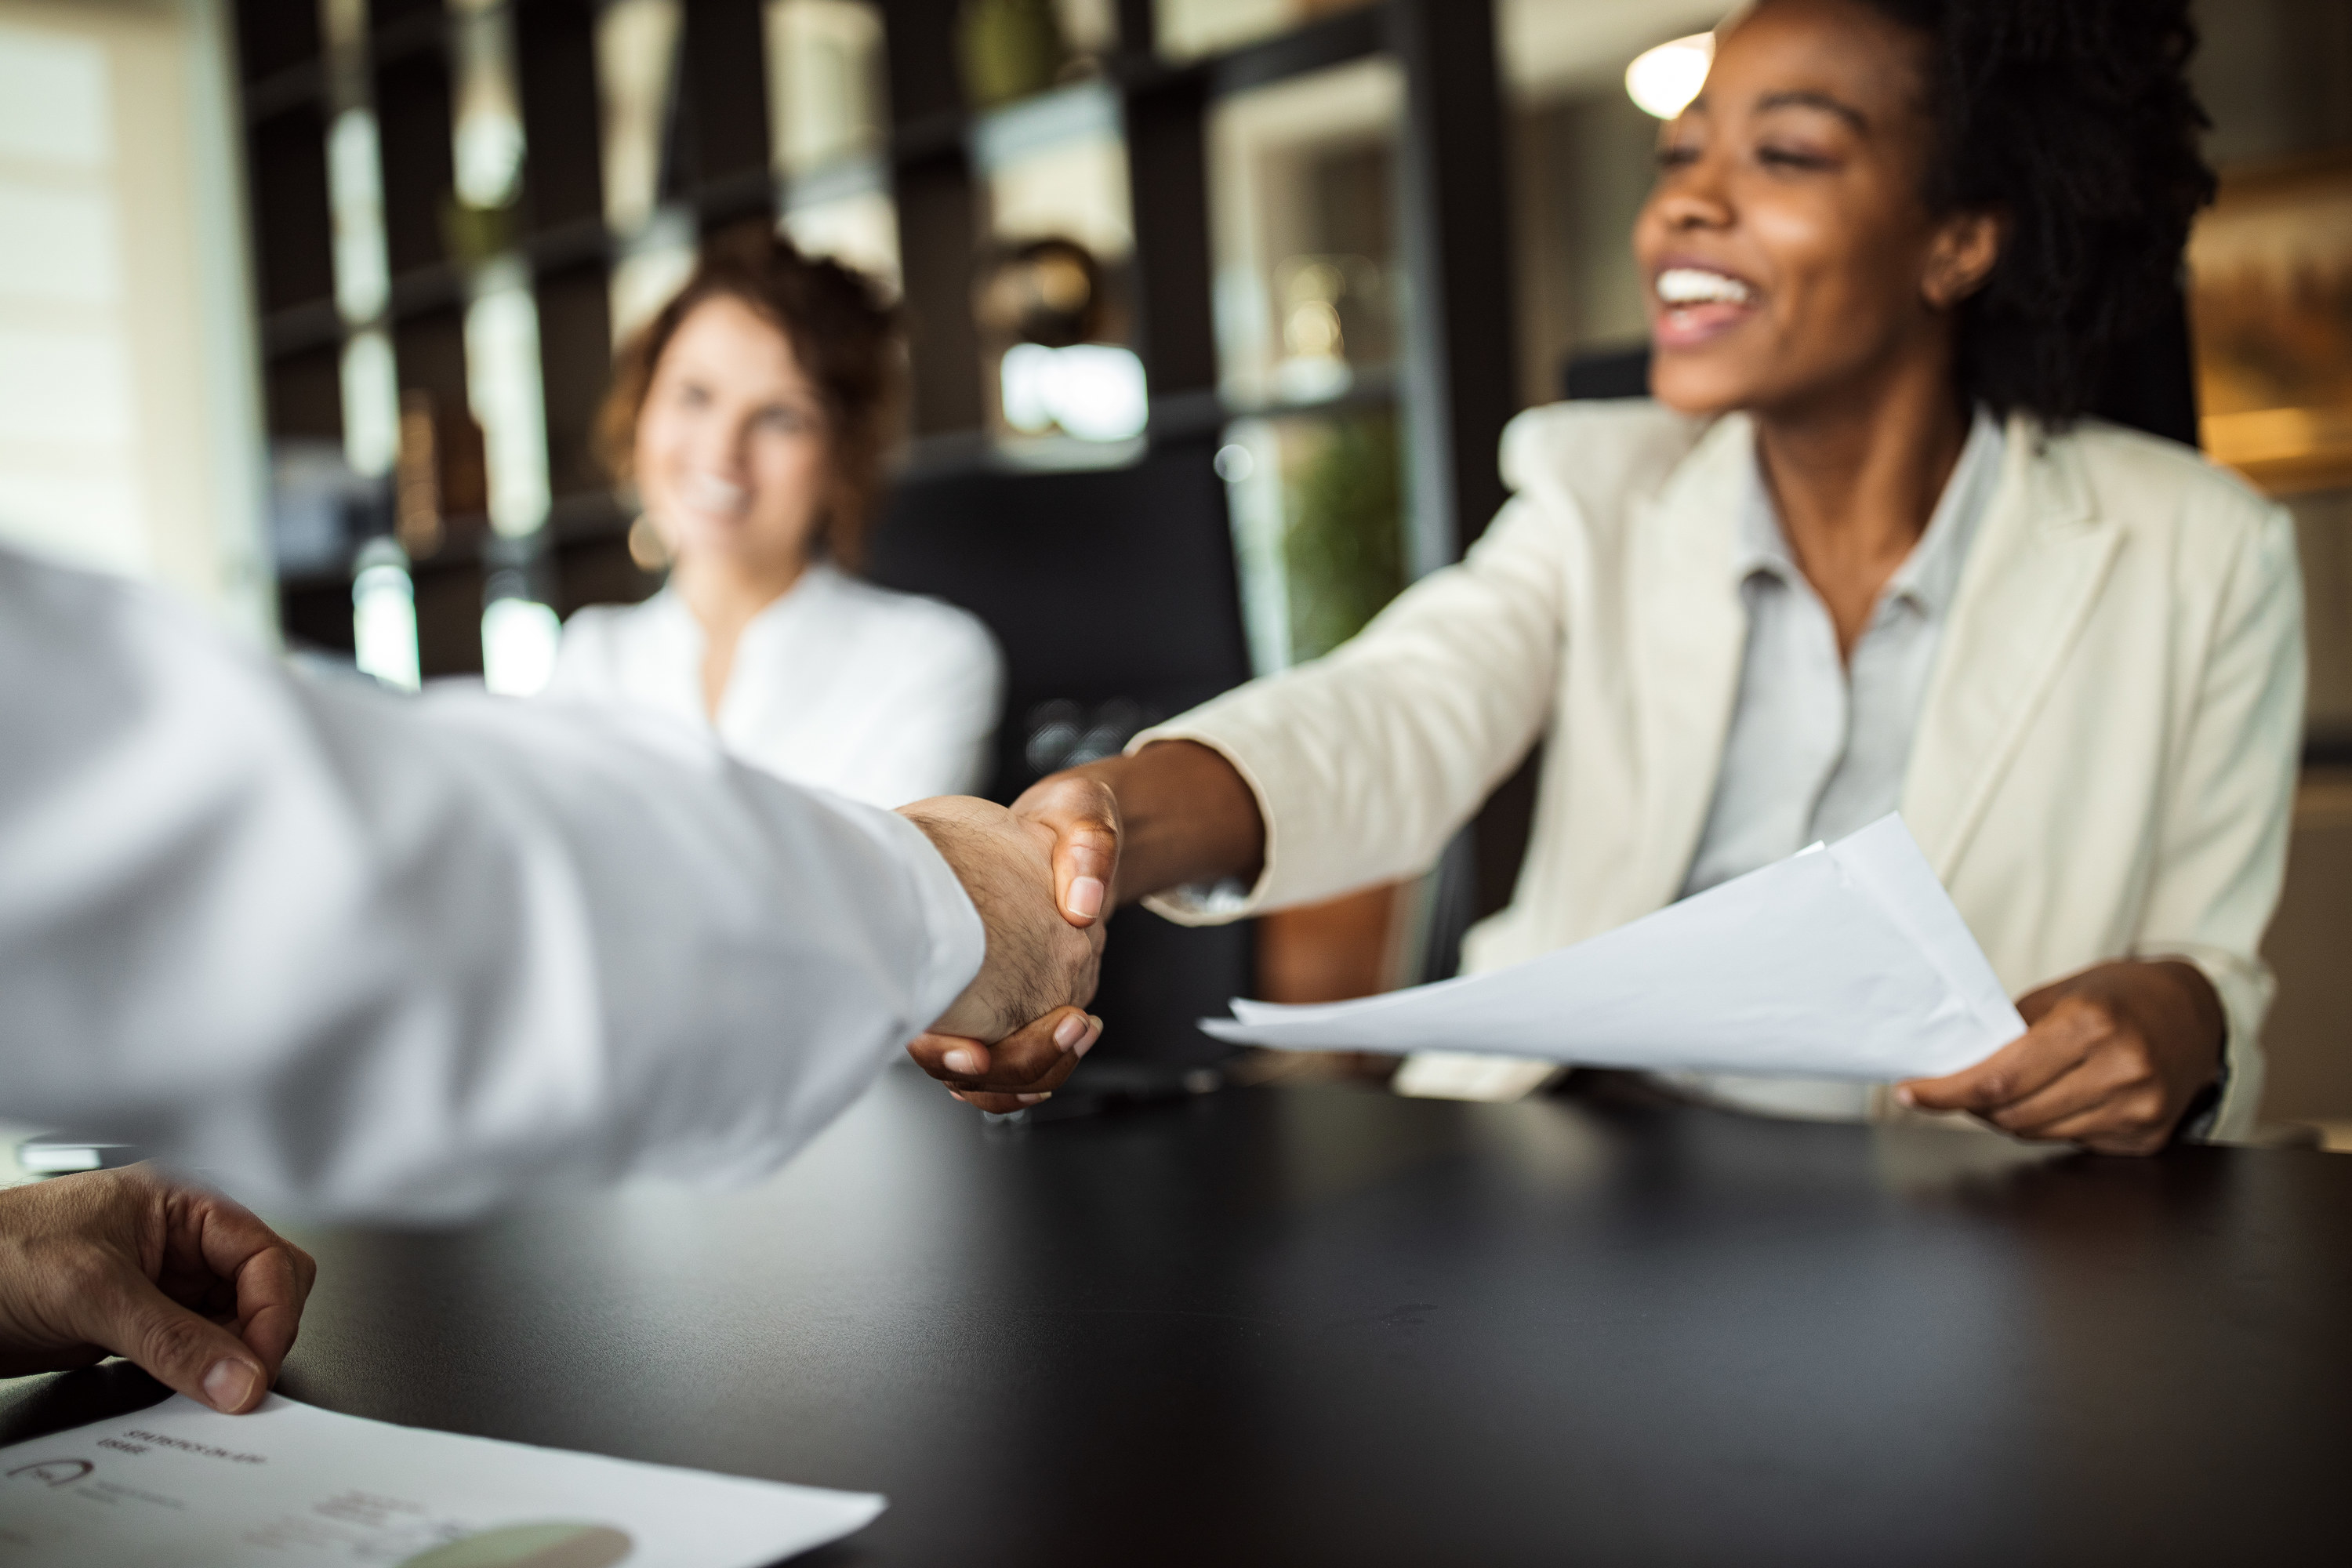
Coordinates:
53 1472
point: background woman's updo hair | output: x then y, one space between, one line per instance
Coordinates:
2076 118
846 339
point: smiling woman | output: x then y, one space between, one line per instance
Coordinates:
750 415
1859 554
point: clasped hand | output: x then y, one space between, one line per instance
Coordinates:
1021 1028
1042 878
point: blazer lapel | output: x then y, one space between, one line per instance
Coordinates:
1689 639
2024 594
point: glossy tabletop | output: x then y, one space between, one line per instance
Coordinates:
1321 1324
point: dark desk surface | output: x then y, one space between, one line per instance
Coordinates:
1323 1325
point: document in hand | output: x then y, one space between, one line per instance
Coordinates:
291 1485
1847 962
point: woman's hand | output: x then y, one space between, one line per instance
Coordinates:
1083 812
2110 1059
1126 827
135 1263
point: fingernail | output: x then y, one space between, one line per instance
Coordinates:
230 1385
1087 896
1070 1031
1093 1035
1034 1099
1902 1097
964 1059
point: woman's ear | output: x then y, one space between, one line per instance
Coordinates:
1961 257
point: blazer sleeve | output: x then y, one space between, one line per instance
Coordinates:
1367 761
2223 855
367 954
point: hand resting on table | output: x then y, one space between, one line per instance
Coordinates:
139 1264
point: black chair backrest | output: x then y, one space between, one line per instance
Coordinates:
1113 593
1115 597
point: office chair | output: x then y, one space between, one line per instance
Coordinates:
1114 595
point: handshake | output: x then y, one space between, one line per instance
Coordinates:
1041 876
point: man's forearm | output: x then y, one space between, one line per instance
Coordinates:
1186 816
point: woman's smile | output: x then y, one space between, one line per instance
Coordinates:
1692 302
719 498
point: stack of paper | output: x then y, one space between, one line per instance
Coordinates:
291 1484
1844 962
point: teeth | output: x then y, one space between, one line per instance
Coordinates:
714 494
1692 286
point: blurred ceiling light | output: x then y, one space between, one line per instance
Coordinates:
1664 79
355 197
371 388
636 49
487 138
503 389
518 643
1096 391
384 614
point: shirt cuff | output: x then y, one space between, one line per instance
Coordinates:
955 940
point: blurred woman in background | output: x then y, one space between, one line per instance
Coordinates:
752 416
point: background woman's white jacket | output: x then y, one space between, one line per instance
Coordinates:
838 685
2105 767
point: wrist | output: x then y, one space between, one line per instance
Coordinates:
1186 816
2204 1021
2206 1024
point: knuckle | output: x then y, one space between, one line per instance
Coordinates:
174 1339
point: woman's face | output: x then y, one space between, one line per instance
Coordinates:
1787 253
732 455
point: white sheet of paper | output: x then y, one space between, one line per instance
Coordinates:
1843 963
294 1485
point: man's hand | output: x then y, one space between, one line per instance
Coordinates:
1021 1070
187 1284
1038 960
2110 1059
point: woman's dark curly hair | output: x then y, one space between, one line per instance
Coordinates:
2076 119
844 337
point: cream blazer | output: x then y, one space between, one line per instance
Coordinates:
2103 769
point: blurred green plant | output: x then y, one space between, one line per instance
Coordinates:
1010 49
1343 547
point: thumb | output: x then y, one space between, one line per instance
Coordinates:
193 1355
1083 814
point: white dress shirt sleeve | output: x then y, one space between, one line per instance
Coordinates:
366 955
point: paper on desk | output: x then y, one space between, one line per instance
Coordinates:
1845 963
292 1485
